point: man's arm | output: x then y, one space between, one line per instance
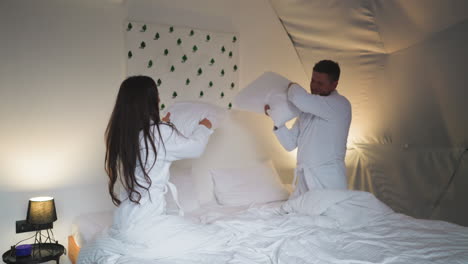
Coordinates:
308 103
287 137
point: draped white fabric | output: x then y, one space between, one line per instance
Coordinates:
404 71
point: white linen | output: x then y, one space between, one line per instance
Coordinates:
85 227
348 209
186 115
320 135
265 234
244 186
270 88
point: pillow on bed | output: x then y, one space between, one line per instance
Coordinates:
183 180
272 89
244 186
186 115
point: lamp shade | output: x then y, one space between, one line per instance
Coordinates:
41 210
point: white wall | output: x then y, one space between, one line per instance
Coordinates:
62 63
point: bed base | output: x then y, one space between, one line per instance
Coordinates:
73 250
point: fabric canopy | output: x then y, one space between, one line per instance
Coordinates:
404 70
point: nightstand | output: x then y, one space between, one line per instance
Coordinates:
43 253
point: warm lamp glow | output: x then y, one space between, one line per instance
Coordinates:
293 155
353 132
41 199
290 123
33 171
350 143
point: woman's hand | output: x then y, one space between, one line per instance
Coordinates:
167 118
205 122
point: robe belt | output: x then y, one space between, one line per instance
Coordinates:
299 167
175 196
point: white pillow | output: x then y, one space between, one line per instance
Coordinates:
186 115
272 89
183 180
244 186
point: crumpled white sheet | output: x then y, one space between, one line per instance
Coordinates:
301 232
346 209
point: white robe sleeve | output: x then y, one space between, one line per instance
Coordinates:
309 103
288 137
180 147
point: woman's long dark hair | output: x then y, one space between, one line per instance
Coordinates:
136 111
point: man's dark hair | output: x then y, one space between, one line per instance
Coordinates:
329 67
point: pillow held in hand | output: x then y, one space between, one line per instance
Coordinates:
186 115
244 186
272 89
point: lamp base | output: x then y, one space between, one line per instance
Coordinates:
38 238
40 243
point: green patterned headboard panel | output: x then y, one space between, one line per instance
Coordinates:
188 64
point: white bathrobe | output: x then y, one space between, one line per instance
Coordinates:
320 135
145 230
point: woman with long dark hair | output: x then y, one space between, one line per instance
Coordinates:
140 149
140 146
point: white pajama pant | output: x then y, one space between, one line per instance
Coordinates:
327 176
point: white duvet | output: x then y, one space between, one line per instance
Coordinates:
317 227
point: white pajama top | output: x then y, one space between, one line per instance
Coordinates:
320 134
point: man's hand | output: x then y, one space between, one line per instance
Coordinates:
167 118
205 122
266 108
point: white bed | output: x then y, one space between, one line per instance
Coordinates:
320 227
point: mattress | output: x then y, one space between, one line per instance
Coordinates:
265 233
85 227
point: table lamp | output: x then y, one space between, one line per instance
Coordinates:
41 211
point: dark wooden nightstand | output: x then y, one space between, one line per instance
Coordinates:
44 252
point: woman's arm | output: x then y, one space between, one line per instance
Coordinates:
179 146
